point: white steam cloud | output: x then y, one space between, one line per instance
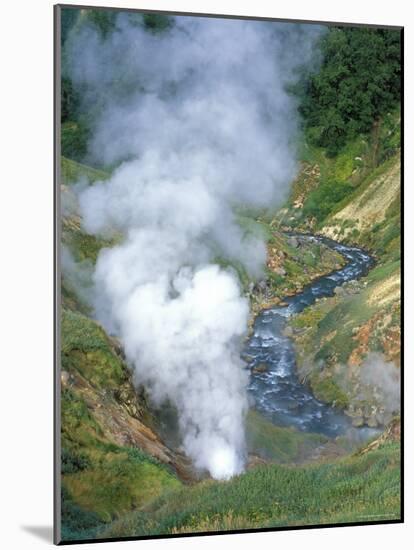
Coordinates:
382 378
198 120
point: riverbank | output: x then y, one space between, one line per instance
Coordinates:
293 261
349 344
277 391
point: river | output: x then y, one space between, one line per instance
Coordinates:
277 391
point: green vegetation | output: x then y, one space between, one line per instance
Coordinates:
82 245
350 108
86 347
342 330
339 332
358 488
101 480
357 83
282 445
72 172
331 325
156 22
329 391
74 138
79 427
121 480
299 264
322 200
341 179
105 20
77 523
352 138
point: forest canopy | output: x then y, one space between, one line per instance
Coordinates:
358 81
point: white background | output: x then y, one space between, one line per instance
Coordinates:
26 306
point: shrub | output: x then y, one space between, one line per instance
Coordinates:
322 200
77 523
72 462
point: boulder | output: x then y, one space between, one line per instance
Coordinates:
339 291
64 377
280 271
293 242
261 367
372 422
358 421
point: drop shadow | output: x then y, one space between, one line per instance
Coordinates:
43 532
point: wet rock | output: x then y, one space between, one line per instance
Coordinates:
288 332
380 417
280 271
358 421
246 357
64 378
128 398
339 291
372 422
353 287
293 242
261 367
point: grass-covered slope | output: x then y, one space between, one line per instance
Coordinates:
371 214
72 171
112 461
359 488
335 337
280 444
325 184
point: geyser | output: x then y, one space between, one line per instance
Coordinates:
198 122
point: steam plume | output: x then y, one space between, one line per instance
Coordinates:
382 378
198 121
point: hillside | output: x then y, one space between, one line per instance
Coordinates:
163 429
356 488
341 339
114 457
368 208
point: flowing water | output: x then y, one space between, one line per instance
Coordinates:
277 391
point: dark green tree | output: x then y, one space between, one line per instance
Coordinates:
357 82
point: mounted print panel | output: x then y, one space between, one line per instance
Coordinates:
228 228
